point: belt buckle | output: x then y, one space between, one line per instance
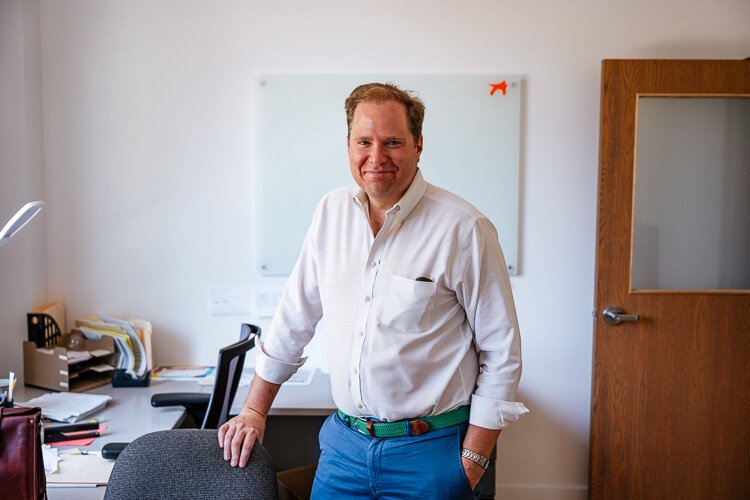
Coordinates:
369 429
418 427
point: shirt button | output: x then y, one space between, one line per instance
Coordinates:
361 333
373 264
367 298
359 406
355 371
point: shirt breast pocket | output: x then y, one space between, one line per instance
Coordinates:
408 304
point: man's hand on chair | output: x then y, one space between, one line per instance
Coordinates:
238 435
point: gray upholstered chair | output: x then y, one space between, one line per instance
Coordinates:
188 464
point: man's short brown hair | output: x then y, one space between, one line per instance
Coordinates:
383 92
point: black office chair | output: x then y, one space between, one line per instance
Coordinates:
188 463
211 411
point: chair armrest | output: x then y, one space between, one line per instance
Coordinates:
111 451
190 400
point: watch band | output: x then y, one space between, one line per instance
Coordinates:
475 457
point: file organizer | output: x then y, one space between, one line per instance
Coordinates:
43 328
47 367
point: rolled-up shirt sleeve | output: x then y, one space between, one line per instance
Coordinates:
274 370
485 294
495 414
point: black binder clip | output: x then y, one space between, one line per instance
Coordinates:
121 378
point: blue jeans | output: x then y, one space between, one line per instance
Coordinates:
353 465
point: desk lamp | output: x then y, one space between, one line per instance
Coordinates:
22 217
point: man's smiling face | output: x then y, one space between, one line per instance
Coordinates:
383 155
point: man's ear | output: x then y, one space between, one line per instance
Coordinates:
419 146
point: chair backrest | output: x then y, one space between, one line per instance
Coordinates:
228 374
188 463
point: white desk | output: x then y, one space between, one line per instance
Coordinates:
129 415
303 400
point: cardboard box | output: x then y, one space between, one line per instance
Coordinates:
296 483
49 367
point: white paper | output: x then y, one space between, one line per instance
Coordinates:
101 368
245 379
98 353
139 351
301 377
77 469
50 458
78 356
228 300
68 406
267 299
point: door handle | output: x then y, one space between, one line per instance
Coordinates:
615 315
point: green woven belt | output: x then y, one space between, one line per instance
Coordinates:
408 427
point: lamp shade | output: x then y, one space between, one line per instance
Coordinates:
20 219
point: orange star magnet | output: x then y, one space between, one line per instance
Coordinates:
502 86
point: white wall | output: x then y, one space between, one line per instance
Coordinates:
23 266
148 152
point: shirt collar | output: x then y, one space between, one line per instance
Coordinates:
412 195
407 202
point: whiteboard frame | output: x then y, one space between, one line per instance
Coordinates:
472 143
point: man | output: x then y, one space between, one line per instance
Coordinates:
421 328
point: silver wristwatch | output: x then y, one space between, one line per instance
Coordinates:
476 458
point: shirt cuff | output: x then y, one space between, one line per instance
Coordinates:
493 413
275 370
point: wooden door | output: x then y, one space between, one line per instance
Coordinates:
671 390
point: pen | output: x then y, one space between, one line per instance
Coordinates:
11 385
76 451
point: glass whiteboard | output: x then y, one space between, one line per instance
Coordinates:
471 147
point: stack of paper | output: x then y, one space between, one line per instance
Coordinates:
68 406
132 340
78 356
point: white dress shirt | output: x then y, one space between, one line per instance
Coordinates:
418 320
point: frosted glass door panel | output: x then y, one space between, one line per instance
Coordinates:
471 147
692 194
